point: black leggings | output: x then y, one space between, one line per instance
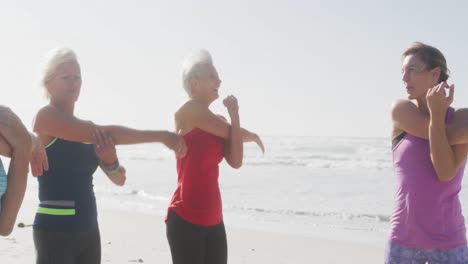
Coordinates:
195 244
67 247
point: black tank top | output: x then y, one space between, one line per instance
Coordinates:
67 201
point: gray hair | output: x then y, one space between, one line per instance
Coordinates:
195 66
54 59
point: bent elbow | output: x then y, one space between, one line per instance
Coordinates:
5 230
445 177
236 164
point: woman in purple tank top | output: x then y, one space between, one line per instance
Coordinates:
429 157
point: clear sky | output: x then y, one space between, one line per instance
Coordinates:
297 67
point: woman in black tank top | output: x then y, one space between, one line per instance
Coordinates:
66 229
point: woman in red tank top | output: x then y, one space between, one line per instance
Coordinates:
195 228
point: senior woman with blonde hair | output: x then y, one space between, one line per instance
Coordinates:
66 226
195 228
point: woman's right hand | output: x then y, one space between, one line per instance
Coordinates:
105 148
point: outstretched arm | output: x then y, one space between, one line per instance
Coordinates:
52 122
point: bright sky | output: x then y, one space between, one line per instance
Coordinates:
297 67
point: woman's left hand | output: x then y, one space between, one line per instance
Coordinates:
105 148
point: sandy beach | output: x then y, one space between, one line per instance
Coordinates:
140 238
315 215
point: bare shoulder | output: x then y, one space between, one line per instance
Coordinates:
44 112
185 117
402 105
191 109
399 109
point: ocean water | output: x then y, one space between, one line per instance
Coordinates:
324 186
306 185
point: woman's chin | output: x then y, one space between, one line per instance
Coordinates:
410 96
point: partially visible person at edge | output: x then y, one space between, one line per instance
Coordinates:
66 227
429 155
195 228
16 143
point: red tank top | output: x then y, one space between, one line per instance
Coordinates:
197 198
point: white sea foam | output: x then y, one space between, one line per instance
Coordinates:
301 183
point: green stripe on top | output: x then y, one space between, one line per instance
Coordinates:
55 139
51 142
55 211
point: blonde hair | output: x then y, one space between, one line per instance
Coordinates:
195 66
54 59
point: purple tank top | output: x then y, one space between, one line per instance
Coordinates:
427 212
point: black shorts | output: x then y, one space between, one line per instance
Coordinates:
67 247
195 244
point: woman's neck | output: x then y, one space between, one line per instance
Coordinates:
422 105
65 107
207 103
